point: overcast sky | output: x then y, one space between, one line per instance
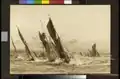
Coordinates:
85 23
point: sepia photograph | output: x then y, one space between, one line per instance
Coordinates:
60 39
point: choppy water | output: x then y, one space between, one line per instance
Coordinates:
78 65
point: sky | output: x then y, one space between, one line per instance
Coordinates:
87 24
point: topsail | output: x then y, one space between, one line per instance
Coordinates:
51 29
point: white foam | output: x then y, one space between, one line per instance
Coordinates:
20 57
58 61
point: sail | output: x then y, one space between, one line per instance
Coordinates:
51 29
21 37
32 55
40 36
94 50
59 48
14 45
46 46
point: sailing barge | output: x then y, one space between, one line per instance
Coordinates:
53 46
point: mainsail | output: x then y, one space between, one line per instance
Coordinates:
46 45
59 48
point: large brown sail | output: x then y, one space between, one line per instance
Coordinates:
56 39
